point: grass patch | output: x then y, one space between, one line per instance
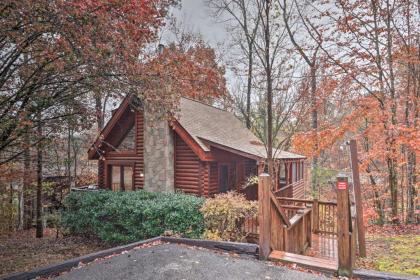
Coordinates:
400 254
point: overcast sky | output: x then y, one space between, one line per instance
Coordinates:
195 14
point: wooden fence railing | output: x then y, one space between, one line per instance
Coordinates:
286 224
325 217
283 226
292 205
298 235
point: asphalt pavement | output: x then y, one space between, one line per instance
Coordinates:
173 261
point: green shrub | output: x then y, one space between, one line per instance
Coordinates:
225 214
122 217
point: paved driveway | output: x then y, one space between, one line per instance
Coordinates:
172 261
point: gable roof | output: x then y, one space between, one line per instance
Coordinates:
209 126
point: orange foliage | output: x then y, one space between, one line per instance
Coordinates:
190 73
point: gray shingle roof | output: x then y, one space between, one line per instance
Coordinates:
206 123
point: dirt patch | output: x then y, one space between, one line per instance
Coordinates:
22 251
392 250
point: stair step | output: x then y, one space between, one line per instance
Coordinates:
324 265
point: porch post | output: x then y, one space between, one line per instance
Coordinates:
343 228
264 215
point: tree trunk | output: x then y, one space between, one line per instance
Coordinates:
100 125
21 208
27 190
314 126
39 229
68 161
393 187
99 112
11 217
411 187
74 166
378 204
269 90
249 85
392 162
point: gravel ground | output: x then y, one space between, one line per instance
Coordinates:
172 261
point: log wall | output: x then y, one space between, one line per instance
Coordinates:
139 164
187 168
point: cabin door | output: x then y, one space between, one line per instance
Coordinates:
223 178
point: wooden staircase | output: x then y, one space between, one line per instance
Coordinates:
319 264
286 227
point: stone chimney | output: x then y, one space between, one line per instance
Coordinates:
158 154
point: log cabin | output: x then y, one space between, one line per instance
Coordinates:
202 151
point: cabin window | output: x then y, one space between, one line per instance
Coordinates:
129 141
121 178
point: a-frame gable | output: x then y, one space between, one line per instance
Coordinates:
102 143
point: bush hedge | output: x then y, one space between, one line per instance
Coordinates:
225 214
122 217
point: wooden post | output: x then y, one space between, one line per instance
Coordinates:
343 223
358 198
315 216
264 215
309 230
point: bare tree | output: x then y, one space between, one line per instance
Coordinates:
244 21
309 55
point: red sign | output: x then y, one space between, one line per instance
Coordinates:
341 185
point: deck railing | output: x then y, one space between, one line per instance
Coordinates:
296 190
324 213
298 234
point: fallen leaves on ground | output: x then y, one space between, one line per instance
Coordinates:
23 252
392 249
